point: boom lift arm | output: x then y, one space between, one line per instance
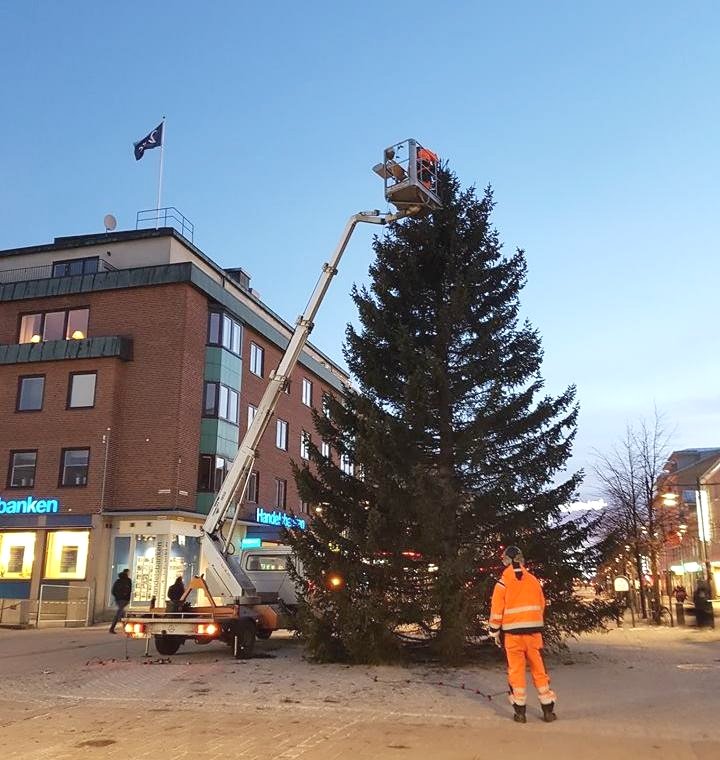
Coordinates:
234 584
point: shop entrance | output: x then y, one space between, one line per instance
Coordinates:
155 560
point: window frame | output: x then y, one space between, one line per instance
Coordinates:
46 556
213 486
11 468
258 350
307 385
280 487
19 393
215 411
71 379
251 417
253 479
347 465
326 404
325 450
305 439
63 453
82 259
42 314
225 323
279 423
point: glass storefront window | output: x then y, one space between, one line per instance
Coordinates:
120 561
184 558
66 554
144 570
17 552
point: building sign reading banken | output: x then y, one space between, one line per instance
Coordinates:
29 506
278 518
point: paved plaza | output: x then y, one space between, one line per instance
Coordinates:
77 693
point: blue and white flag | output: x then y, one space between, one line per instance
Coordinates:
153 140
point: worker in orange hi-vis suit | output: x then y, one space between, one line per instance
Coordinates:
427 166
517 610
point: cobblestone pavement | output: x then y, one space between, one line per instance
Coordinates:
82 693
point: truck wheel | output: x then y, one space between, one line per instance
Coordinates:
166 644
243 641
263 633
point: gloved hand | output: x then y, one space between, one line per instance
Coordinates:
495 636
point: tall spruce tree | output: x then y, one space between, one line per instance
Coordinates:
447 451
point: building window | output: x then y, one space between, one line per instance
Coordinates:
305 507
252 411
280 493
325 449
30 393
221 402
74 467
257 357
281 435
212 472
69 267
17 553
70 324
326 404
22 469
305 445
346 465
224 331
286 386
307 392
253 487
81 391
66 554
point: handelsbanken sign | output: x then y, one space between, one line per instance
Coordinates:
29 506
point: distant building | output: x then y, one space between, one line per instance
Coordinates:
130 366
689 504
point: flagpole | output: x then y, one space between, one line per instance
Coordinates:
162 155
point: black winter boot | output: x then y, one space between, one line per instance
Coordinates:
549 712
519 716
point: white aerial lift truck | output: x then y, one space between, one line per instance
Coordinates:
235 613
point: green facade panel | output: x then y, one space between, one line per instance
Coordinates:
223 367
219 437
203 502
58 350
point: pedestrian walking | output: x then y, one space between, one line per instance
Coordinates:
516 611
121 591
175 594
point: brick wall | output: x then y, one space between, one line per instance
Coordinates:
272 462
152 404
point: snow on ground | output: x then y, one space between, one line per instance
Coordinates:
645 691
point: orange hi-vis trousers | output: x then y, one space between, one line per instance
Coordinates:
522 649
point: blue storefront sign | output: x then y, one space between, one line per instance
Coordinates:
278 518
30 505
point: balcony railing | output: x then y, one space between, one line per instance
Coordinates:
165 217
46 272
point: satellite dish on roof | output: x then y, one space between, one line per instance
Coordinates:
110 222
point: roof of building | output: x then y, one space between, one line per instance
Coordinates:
123 236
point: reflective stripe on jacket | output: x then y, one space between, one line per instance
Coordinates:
518 603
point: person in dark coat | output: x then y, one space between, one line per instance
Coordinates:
121 591
703 605
175 594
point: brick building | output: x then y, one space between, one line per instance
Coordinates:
130 366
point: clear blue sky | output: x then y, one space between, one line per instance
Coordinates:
595 122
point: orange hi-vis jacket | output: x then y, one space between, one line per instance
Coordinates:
518 603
